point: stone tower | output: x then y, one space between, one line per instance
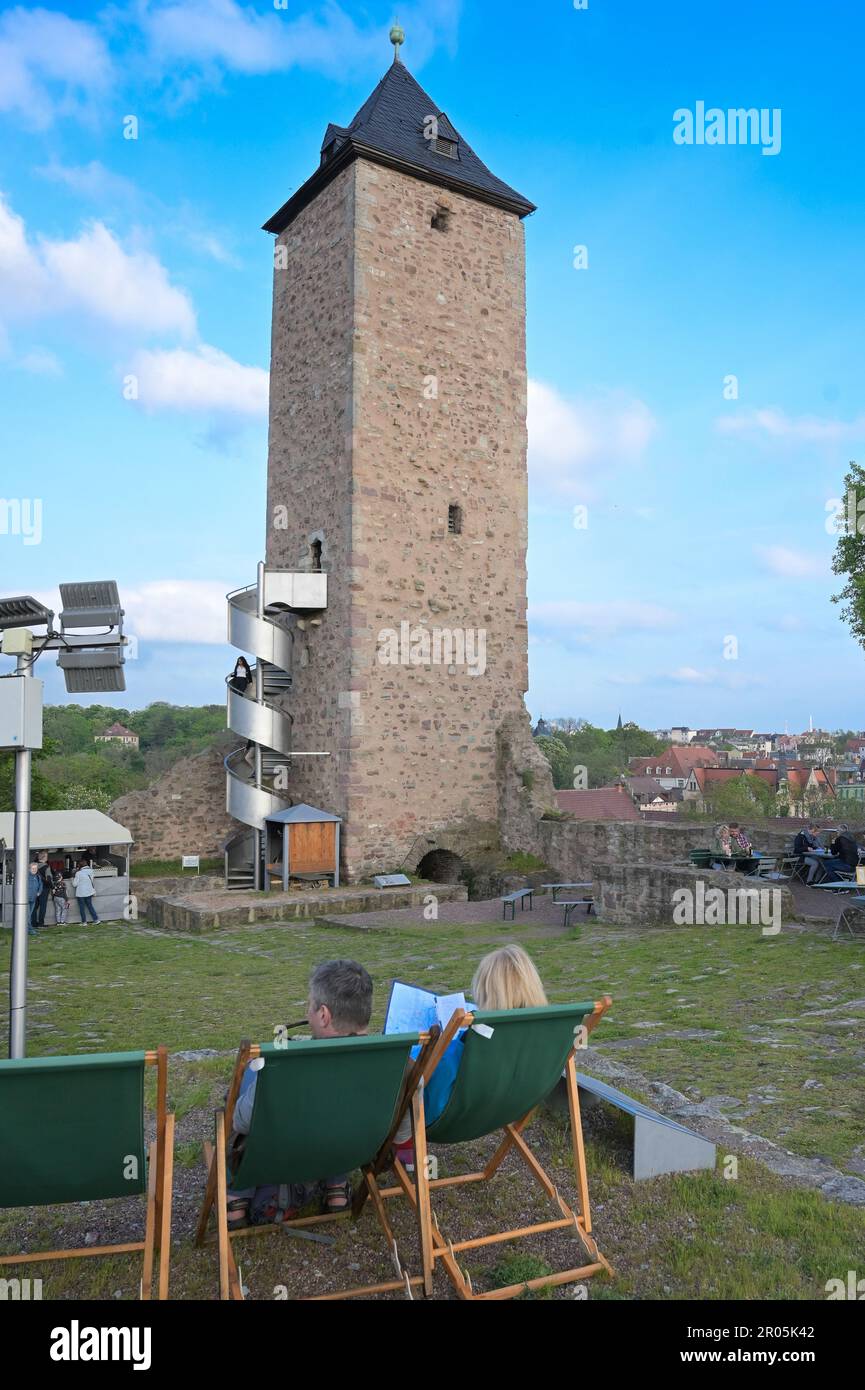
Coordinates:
397 463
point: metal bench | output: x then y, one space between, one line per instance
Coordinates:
854 913
511 899
661 1145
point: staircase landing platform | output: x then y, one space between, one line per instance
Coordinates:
220 909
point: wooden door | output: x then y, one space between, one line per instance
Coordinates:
312 848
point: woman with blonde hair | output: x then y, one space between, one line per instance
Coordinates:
505 979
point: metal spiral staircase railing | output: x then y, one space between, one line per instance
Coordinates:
256 625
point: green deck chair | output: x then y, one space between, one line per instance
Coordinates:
512 1060
321 1106
72 1130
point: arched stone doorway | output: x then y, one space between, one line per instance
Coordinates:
442 866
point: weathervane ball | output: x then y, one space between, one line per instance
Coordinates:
397 35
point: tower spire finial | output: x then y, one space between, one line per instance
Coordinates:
397 37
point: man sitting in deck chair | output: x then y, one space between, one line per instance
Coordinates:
339 1006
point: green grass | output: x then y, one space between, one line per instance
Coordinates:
523 863
776 1011
169 868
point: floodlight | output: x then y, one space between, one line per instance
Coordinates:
89 672
93 604
23 611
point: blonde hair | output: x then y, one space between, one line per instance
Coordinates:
507 979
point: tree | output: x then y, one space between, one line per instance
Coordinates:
43 795
741 798
80 797
849 558
560 759
604 753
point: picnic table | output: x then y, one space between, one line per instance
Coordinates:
742 863
559 887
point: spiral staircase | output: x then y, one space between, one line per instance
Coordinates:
259 623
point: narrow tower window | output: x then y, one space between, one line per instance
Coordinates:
315 552
440 219
455 520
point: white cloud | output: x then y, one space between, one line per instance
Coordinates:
776 424
591 620
212 35
91 180
129 289
41 362
204 379
166 610
92 273
689 675
569 441
791 564
49 65
23 281
176 610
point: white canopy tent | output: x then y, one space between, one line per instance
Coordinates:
75 829
66 835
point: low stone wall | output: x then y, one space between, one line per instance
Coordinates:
146 889
570 847
240 909
655 895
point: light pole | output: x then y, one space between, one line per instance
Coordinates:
21 906
90 662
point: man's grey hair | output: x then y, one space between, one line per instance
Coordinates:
345 988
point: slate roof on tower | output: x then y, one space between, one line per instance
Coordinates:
389 129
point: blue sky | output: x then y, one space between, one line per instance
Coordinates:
706 517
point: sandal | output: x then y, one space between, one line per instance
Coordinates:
238 1212
337 1196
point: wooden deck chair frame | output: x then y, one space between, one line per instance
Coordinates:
216 1189
160 1183
435 1246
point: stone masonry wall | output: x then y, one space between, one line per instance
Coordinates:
570 847
399 388
440 419
183 812
309 484
644 895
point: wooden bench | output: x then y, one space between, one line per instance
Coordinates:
511 899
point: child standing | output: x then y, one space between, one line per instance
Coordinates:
61 900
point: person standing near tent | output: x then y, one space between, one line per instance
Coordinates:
84 890
46 879
61 900
34 887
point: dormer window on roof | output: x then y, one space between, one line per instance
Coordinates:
442 145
